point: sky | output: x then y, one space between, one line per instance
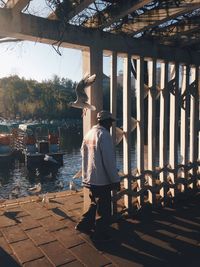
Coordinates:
33 60
39 61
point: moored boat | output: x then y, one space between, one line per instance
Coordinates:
40 145
6 142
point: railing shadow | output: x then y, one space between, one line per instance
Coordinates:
167 236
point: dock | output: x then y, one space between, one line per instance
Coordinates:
34 233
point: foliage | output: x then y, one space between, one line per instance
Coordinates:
37 100
29 99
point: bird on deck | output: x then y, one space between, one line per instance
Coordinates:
35 189
81 96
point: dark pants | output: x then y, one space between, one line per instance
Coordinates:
98 216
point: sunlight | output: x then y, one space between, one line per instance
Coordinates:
39 61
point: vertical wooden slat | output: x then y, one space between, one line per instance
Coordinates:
184 129
113 91
151 124
198 111
163 133
126 127
140 126
193 155
113 108
173 134
92 63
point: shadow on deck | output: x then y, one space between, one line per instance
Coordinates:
37 234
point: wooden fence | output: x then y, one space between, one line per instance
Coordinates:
167 115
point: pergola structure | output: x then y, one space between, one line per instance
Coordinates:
162 38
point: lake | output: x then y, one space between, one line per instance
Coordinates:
17 176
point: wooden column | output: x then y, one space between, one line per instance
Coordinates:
198 110
184 129
140 125
92 63
194 120
173 133
151 124
113 108
113 92
127 128
163 133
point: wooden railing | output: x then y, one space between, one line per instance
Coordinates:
172 130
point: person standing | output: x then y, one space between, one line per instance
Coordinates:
99 175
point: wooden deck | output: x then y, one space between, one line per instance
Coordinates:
41 235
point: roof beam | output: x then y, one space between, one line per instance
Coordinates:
75 11
115 12
191 39
83 4
157 17
17 5
179 27
32 28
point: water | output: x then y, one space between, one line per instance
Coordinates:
16 179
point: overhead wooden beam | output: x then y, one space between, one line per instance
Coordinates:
157 17
179 34
17 5
177 29
185 37
83 4
75 11
191 39
32 28
115 12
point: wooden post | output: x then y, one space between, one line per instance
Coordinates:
126 128
173 134
113 92
92 63
113 108
151 125
194 120
184 129
163 133
140 126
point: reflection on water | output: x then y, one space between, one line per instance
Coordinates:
17 176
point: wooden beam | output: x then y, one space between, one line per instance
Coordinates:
191 39
163 124
187 38
92 63
140 127
127 128
173 125
17 5
115 12
180 27
152 65
157 17
32 28
75 11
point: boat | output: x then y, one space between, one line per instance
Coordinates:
39 144
7 151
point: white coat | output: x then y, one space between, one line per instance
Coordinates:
98 160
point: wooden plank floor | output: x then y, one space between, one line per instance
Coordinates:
37 234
